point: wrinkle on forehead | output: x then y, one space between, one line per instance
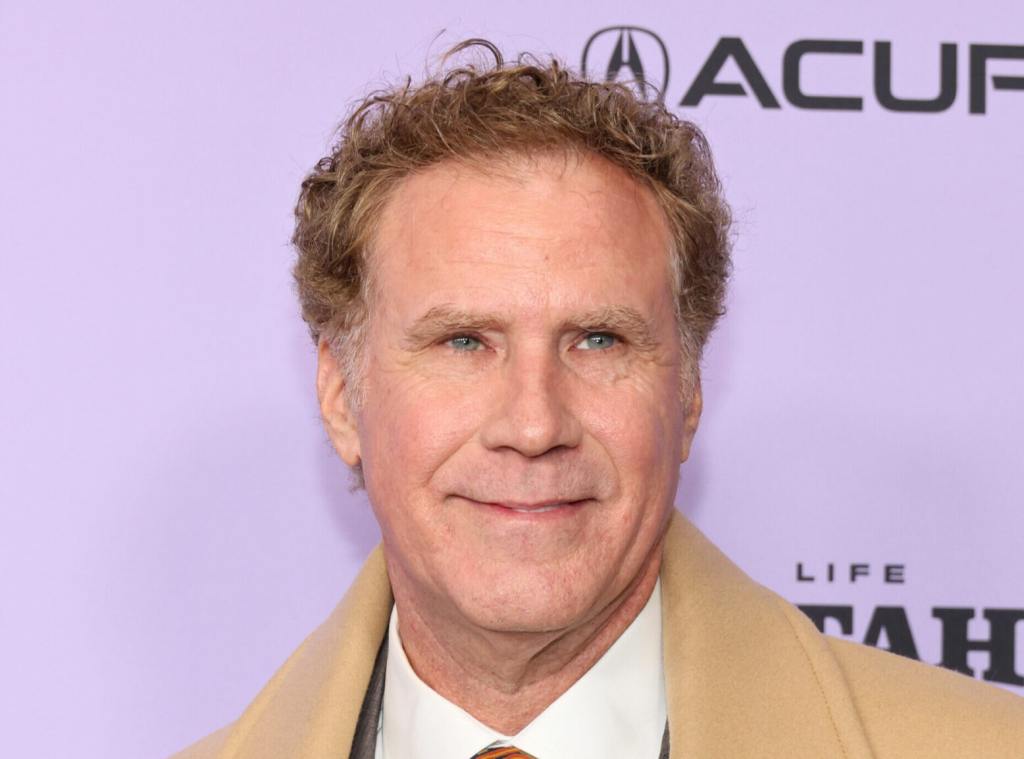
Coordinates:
461 226
519 169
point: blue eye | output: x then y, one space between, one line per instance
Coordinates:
597 341
464 343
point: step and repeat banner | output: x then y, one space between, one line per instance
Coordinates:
174 519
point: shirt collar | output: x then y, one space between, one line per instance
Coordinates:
616 709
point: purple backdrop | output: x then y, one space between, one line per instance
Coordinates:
173 519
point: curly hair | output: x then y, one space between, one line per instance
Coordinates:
479 111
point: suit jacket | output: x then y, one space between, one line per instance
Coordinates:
746 675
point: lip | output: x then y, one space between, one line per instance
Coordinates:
552 507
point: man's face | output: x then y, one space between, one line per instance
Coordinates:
524 418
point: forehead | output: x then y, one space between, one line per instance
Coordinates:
541 232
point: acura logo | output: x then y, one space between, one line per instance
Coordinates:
638 56
629 54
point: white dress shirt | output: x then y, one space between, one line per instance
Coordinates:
616 709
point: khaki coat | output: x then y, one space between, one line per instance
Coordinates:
747 675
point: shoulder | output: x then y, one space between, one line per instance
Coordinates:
317 695
911 709
207 748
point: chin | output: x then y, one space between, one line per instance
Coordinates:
529 602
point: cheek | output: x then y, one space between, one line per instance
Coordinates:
640 426
415 422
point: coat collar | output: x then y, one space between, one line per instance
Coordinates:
746 674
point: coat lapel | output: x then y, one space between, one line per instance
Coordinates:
310 708
746 674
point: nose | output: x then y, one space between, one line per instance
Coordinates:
532 414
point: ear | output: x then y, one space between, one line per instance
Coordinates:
691 421
339 420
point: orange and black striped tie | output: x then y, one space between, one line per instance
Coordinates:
502 752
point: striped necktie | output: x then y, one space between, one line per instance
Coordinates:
502 752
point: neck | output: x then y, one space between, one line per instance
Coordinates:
506 679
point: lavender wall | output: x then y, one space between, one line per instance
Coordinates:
173 520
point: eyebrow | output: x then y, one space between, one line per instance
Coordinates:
444 320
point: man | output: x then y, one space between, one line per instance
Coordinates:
510 274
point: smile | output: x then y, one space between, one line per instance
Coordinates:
534 508
537 509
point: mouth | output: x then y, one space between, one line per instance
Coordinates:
532 508
537 508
